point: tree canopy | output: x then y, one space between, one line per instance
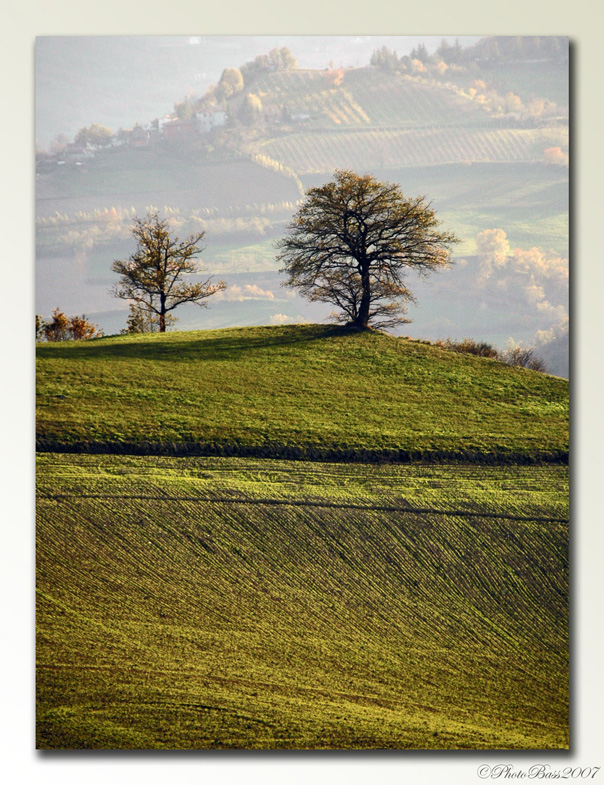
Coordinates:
250 111
353 240
385 58
96 136
153 275
231 83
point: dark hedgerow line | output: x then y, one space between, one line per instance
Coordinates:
406 508
304 453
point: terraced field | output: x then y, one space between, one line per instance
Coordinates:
362 96
208 602
403 101
322 151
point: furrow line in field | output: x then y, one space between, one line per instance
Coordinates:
294 503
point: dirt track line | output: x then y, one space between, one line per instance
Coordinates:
293 503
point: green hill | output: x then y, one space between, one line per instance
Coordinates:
255 602
294 391
189 603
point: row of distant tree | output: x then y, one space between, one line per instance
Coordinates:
494 49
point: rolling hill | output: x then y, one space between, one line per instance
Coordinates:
251 602
485 142
486 145
298 537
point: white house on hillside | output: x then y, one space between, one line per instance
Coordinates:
210 118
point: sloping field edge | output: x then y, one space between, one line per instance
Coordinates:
304 452
268 502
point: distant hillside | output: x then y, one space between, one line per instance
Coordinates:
485 140
360 96
319 152
297 391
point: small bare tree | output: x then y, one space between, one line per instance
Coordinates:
153 275
523 358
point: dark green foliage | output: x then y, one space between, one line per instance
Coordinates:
420 53
385 58
450 54
506 48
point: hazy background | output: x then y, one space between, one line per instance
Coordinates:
486 141
118 81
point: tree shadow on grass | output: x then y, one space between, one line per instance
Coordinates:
228 344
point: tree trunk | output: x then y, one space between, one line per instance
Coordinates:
362 320
162 313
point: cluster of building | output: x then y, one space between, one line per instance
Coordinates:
170 128
176 128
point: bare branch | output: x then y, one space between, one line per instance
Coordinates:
153 275
351 243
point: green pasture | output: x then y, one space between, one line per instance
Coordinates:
304 387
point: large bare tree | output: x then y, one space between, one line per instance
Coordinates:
153 275
351 243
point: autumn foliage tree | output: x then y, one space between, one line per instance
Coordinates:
95 135
231 83
251 109
65 328
352 242
155 275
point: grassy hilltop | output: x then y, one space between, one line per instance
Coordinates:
207 601
306 389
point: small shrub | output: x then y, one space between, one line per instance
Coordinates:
469 346
64 328
518 355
